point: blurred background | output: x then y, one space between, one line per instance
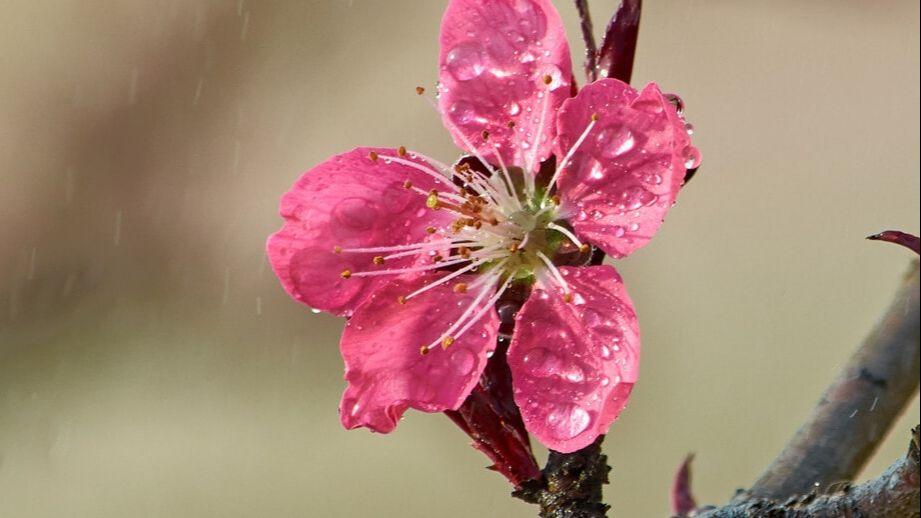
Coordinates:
151 365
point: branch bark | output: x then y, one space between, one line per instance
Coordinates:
857 410
571 484
894 494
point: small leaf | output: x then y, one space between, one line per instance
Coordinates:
615 59
900 238
683 502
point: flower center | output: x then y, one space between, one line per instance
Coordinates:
506 229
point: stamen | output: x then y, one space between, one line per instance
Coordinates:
490 284
420 90
569 235
557 276
447 278
569 155
346 274
411 269
486 307
378 259
413 246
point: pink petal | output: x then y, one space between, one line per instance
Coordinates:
494 57
626 174
349 201
385 370
574 364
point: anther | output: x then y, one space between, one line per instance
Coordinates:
430 230
555 199
584 248
548 80
432 201
567 297
401 300
378 259
437 258
346 274
460 287
401 151
424 350
594 117
407 184
373 156
485 135
420 90
511 124
337 249
447 341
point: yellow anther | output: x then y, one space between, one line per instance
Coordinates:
567 297
548 80
460 287
346 274
424 350
594 117
337 249
447 341
432 201
555 199
373 156
430 230
584 248
378 259
420 90
401 150
401 300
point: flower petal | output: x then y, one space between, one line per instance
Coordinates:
348 201
495 56
626 174
385 371
574 364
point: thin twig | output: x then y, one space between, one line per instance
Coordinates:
857 409
588 36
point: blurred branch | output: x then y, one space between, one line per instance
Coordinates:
588 36
858 408
894 494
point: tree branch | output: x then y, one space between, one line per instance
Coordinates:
893 494
588 36
571 485
857 409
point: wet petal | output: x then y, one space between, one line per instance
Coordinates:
626 174
574 364
348 201
495 55
385 371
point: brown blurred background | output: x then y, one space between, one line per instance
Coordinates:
150 364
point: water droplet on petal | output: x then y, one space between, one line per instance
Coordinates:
542 362
691 157
465 61
463 361
568 421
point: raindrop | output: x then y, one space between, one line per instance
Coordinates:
566 422
465 61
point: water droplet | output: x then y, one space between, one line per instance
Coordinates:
463 113
691 157
463 361
568 421
542 362
355 213
615 141
513 108
465 61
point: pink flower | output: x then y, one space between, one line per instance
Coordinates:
417 253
